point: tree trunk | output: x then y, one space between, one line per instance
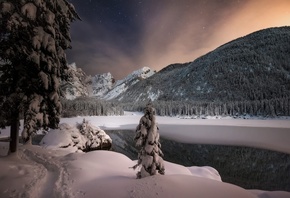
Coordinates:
14 133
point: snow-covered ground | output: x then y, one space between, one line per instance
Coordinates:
39 172
267 134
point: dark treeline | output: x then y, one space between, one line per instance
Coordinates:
84 106
265 108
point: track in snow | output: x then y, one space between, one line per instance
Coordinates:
52 178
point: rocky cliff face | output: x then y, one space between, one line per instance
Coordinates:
76 85
121 86
101 86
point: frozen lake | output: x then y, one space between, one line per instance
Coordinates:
266 134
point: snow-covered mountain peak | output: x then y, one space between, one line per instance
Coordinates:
140 74
102 83
144 72
75 86
73 66
122 85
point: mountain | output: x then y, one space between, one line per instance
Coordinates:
253 67
121 86
76 85
101 86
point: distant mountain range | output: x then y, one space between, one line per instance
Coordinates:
253 67
102 86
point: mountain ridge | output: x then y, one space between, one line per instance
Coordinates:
253 67
101 86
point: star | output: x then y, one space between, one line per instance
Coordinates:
120 36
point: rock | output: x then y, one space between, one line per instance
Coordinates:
83 136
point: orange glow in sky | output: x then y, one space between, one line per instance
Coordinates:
171 31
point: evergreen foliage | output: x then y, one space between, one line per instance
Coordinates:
266 108
95 138
147 137
85 106
252 68
34 35
83 136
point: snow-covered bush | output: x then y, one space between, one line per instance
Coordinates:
95 137
147 137
84 136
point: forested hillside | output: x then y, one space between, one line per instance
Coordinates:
85 106
248 75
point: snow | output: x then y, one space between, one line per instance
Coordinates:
142 73
40 172
153 96
44 79
267 134
49 16
116 91
78 137
74 87
102 84
7 7
61 137
122 85
43 39
47 173
29 10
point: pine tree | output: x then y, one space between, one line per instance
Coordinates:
147 137
34 35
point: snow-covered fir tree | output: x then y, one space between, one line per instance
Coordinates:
34 35
147 137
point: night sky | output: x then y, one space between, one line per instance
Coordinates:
120 36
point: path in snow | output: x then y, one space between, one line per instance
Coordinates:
52 179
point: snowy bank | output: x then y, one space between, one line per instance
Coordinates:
47 173
81 136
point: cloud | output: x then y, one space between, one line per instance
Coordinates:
97 50
170 31
181 33
253 16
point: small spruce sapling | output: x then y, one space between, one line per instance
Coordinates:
147 137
